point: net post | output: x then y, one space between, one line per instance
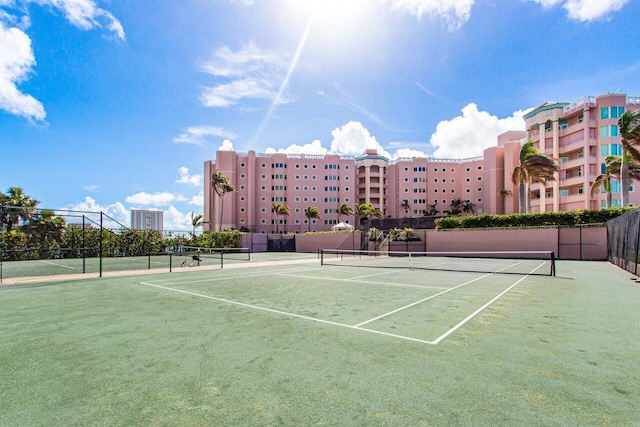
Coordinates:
170 261
149 261
221 260
553 264
321 256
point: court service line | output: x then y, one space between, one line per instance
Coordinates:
422 300
475 313
284 313
368 282
57 265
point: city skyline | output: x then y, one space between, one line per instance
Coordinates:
115 106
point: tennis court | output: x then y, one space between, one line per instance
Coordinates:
282 340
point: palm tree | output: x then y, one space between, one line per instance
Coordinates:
361 211
468 207
456 207
221 186
20 206
280 210
311 213
433 210
629 128
405 205
611 173
534 166
344 209
196 221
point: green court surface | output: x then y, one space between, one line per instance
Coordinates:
295 343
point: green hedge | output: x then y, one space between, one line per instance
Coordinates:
531 220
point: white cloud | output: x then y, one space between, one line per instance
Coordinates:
16 64
116 210
314 147
185 178
85 14
353 138
198 199
226 146
197 135
254 74
408 152
468 135
455 12
586 10
155 199
174 220
16 55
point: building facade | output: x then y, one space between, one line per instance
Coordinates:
579 136
146 220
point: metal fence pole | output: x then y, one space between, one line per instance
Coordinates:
101 237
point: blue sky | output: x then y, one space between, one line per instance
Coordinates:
113 105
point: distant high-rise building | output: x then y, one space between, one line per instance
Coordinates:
146 220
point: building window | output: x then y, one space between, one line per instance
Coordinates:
564 192
479 188
263 210
479 168
242 198
264 165
614 130
604 113
263 188
468 169
263 176
346 167
242 187
468 190
242 210
468 180
616 112
263 221
241 176
604 132
479 200
479 178
580 117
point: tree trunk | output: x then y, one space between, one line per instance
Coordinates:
624 180
521 197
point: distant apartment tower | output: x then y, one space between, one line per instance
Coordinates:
578 135
146 220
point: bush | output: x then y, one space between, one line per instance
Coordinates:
531 220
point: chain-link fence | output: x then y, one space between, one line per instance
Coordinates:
623 235
42 242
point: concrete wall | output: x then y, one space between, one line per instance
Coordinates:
568 243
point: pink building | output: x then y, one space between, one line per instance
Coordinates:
579 136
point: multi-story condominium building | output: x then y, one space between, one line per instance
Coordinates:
578 135
146 220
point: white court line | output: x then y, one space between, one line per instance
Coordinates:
475 313
422 300
227 277
284 313
442 293
58 265
373 275
368 282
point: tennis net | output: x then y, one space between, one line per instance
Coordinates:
196 256
507 262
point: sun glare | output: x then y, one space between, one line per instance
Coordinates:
336 24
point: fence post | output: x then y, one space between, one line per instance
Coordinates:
101 237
